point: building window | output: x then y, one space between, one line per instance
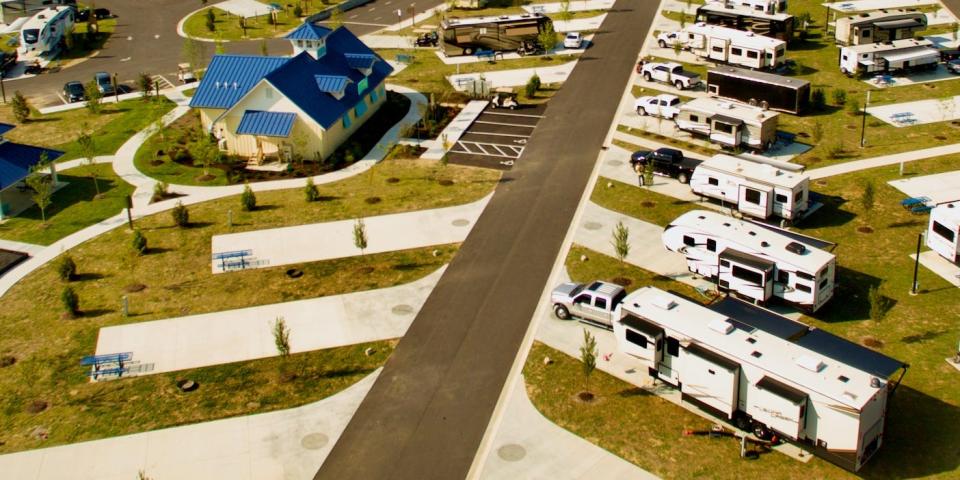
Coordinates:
823 283
346 120
321 51
718 49
805 276
360 109
747 275
374 97
752 196
694 119
636 338
798 197
713 181
723 128
943 231
673 347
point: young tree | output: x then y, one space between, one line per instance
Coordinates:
138 242
360 235
336 18
180 215
564 14
677 49
42 191
867 199
248 200
88 151
310 191
588 355
211 20
532 86
548 38
21 107
263 48
817 133
145 84
70 301
281 337
218 46
66 268
879 304
94 97
621 241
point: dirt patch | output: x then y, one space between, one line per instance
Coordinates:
648 204
156 163
372 200
7 360
939 137
134 288
365 270
445 182
851 127
393 180
623 282
865 229
205 178
36 406
821 183
872 342
586 397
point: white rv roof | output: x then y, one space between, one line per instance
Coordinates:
742 38
948 211
752 236
912 53
450 21
781 357
745 11
43 16
747 113
755 171
888 46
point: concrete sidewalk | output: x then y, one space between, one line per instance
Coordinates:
245 334
575 6
515 78
285 444
329 240
894 159
454 130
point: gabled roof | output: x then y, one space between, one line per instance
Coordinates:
268 124
6 127
230 77
308 31
331 83
16 160
360 60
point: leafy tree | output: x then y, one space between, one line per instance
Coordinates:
879 304
621 241
70 301
88 151
160 191
310 191
532 86
867 199
839 97
145 84
66 268
281 337
94 97
42 187
180 215
248 200
548 38
139 242
818 99
211 20
677 49
298 11
588 356
853 106
21 107
360 235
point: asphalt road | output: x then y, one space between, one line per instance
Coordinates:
427 413
146 40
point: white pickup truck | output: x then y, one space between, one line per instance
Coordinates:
671 73
669 39
595 303
664 106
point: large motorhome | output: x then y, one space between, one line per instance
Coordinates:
753 260
879 26
736 47
898 55
45 30
730 124
465 36
943 232
766 90
764 6
773 25
760 190
763 372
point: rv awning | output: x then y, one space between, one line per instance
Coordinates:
641 325
747 259
915 53
781 390
902 23
727 120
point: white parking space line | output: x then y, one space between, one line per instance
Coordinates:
64 100
483 154
508 151
497 134
505 124
513 114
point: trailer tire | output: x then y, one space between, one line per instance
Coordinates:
744 423
647 76
468 51
683 178
761 431
662 43
561 312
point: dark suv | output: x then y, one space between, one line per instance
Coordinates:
668 162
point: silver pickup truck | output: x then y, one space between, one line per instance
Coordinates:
595 303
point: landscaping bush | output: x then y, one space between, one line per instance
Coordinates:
160 191
297 11
532 86
853 106
310 191
839 97
248 201
818 99
67 268
21 108
211 20
70 301
139 242
180 215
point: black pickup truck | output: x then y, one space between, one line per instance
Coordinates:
668 162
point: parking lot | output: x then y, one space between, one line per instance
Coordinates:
497 138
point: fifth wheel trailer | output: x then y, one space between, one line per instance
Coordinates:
731 124
773 25
760 190
754 261
763 372
943 232
766 90
896 56
735 47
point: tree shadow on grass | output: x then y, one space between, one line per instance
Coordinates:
831 214
94 312
79 189
85 277
851 300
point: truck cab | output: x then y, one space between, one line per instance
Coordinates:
664 106
595 303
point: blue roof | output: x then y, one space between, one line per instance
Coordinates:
331 83
229 77
6 127
360 60
269 124
16 160
308 31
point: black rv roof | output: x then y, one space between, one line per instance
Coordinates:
804 239
747 259
764 77
759 318
855 355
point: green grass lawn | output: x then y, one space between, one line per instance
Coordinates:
710 151
227 26
74 207
641 203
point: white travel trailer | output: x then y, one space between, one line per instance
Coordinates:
45 30
731 124
943 233
763 372
880 26
898 55
761 190
735 47
754 261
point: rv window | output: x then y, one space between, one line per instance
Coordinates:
823 283
694 119
781 198
783 277
600 303
943 231
752 54
724 263
802 288
723 127
718 49
636 338
689 241
866 33
659 344
805 275
769 56
673 347
752 196
711 245
797 197
747 275
715 90
736 51
844 58
758 8
713 181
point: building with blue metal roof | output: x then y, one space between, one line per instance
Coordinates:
17 161
269 109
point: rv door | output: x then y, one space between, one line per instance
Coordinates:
755 200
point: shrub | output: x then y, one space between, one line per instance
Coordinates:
853 106
145 83
839 97
67 268
180 215
818 99
297 11
70 301
879 304
138 242
248 201
160 191
310 191
530 89
817 133
21 107
868 198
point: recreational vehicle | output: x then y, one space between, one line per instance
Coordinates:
735 47
465 36
754 261
766 90
943 233
763 372
730 124
880 26
773 25
760 190
898 55
45 30
765 6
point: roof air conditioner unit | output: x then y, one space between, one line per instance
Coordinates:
810 363
663 302
796 247
721 325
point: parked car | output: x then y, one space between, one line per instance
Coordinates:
428 39
669 39
73 92
102 13
667 162
594 303
671 73
104 84
664 106
573 40
82 16
953 66
7 61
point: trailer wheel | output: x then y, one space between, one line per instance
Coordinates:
761 431
683 178
561 312
744 423
468 51
647 76
662 44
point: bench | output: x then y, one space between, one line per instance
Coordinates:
921 209
909 203
489 55
464 81
107 358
